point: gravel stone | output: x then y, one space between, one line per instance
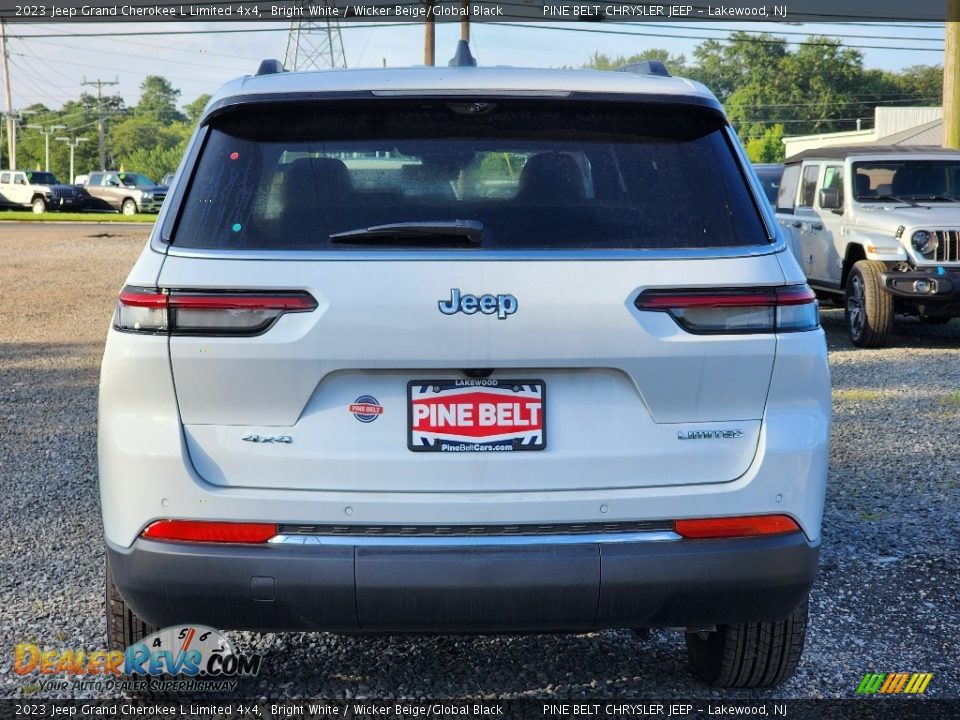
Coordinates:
887 598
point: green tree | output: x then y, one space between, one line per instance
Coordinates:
156 162
743 60
137 133
921 84
195 109
676 64
30 150
158 101
768 148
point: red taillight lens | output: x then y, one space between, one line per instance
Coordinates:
189 312
212 532
735 527
751 310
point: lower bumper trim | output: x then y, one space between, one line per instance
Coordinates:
473 585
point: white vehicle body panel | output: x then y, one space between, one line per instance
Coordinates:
619 387
145 472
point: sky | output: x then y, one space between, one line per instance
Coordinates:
50 70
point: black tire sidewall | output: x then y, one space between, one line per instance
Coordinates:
877 306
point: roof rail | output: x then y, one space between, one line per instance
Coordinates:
647 67
462 57
270 66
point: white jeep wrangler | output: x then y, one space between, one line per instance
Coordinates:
879 227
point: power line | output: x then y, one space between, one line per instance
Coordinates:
701 37
203 32
31 83
168 60
841 36
838 102
116 69
558 27
48 65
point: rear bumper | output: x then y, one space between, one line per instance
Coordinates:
466 585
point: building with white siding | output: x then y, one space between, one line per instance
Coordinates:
891 126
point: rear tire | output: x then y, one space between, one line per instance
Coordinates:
868 306
749 655
124 626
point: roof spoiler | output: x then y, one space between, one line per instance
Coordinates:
647 67
271 66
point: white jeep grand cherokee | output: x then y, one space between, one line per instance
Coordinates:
467 350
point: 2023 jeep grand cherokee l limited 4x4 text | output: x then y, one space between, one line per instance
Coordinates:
467 350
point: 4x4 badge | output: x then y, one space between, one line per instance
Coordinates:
502 305
285 439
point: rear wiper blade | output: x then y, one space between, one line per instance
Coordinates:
431 232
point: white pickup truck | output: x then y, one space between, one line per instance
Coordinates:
878 229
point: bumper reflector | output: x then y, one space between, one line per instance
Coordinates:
212 532
735 527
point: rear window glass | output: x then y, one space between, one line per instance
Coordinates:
536 175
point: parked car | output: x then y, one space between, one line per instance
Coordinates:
39 191
421 351
126 192
878 230
168 179
769 174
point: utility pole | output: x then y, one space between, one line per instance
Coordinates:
11 127
951 77
429 36
72 144
47 132
465 20
98 83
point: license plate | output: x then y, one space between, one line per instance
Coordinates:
476 415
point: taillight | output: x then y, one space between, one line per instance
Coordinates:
204 531
196 312
750 310
752 526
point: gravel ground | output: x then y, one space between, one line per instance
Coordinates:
888 596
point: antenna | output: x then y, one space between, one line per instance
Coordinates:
647 67
462 57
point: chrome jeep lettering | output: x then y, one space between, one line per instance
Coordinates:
502 305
